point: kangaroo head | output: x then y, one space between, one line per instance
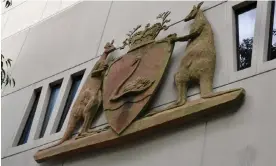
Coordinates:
193 13
109 47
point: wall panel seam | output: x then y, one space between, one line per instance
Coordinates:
103 29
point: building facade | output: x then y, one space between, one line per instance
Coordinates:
55 44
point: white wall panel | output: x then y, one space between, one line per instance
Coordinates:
4 19
247 136
61 42
11 48
179 147
15 3
26 159
68 3
12 111
51 8
23 16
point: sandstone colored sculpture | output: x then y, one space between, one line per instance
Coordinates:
164 120
131 81
90 98
126 86
199 61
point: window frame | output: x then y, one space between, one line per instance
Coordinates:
64 113
230 42
272 10
31 111
50 135
44 125
263 64
238 10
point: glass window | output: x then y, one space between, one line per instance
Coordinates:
74 88
52 100
272 34
245 23
26 131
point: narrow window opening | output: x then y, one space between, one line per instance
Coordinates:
52 100
245 15
272 34
73 90
26 131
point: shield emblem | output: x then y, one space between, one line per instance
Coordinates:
131 81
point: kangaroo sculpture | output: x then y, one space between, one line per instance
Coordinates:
199 61
89 99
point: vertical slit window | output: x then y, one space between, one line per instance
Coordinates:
74 88
245 24
26 131
52 100
272 34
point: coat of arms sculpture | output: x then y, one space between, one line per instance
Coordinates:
125 87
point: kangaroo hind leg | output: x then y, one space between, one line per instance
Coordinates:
206 89
206 85
87 115
181 86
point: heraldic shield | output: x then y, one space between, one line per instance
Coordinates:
131 81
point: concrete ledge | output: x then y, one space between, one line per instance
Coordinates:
191 111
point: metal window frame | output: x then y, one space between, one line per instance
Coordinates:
66 108
240 9
269 55
43 130
31 115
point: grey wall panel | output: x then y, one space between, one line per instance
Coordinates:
61 42
13 108
180 147
246 137
26 159
11 48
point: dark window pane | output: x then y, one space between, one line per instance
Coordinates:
245 23
75 85
52 100
26 131
272 36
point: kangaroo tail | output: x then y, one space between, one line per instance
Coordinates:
70 129
68 132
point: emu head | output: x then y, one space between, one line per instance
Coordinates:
193 13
